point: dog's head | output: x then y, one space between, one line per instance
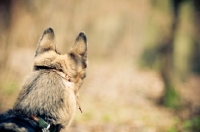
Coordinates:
73 63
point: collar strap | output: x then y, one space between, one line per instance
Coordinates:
79 106
62 74
46 127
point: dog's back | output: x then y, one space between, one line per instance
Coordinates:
50 92
48 95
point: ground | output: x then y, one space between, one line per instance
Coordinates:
115 97
119 98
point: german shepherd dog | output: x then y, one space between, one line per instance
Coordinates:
48 98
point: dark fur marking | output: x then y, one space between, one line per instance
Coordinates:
74 57
50 32
81 36
84 64
84 76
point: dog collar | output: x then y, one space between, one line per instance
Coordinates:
46 127
62 74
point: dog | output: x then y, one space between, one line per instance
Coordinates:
49 94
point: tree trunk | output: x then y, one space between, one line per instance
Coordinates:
5 20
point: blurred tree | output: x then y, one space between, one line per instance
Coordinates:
165 51
171 97
5 20
195 57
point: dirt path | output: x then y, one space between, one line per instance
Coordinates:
119 98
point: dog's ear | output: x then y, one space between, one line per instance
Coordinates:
46 42
80 45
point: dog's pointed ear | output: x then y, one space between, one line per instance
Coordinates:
80 45
46 42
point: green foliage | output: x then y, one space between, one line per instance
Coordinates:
189 125
106 118
171 97
192 125
173 129
87 116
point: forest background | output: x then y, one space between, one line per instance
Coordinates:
144 59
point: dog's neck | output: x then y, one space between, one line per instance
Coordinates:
61 74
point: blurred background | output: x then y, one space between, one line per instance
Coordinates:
144 59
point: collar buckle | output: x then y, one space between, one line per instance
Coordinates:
46 129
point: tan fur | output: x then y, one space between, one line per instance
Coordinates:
44 92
